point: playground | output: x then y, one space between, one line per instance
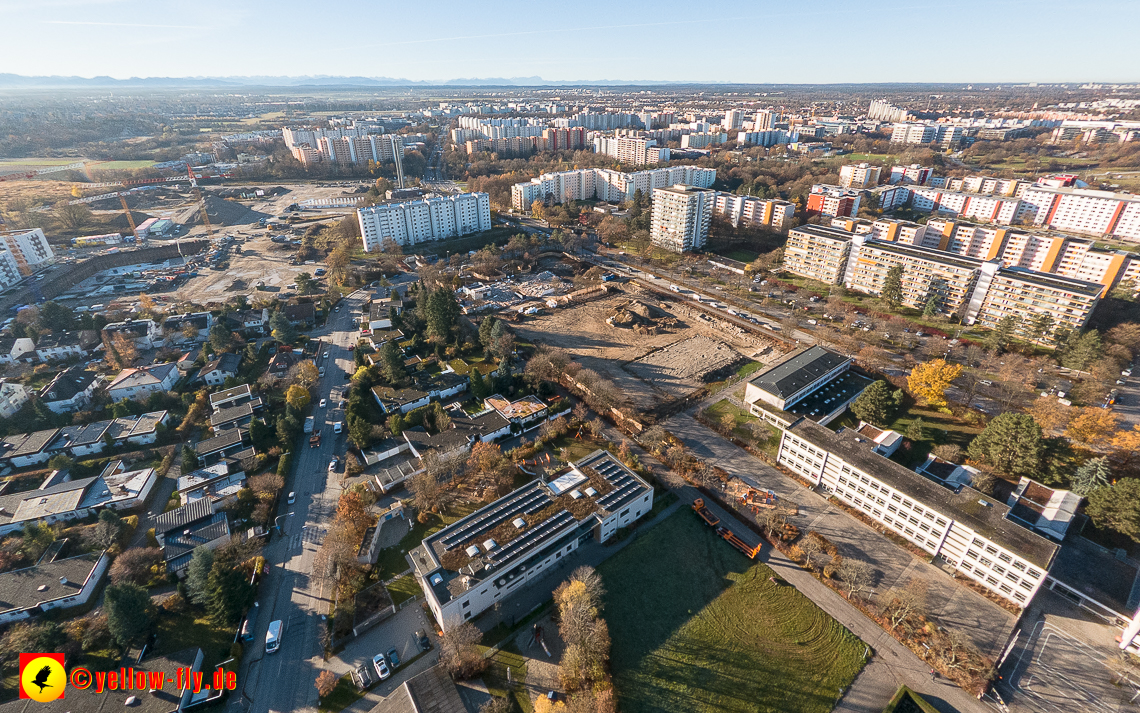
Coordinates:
697 627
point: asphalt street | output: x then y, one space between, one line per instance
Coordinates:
284 681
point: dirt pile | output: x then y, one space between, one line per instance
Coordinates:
642 318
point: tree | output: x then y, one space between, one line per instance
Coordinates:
54 317
280 328
1041 326
107 529
1090 476
136 565
892 287
60 462
915 430
442 314
1002 333
326 682
1011 443
1126 449
392 362
229 591
221 338
478 386
857 576
1092 426
297 396
499 704
189 331
1081 350
876 405
948 452
930 380
306 285
304 373
931 307
198 575
130 612
459 651
1117 507
189 459
1050 413
485 328
908 601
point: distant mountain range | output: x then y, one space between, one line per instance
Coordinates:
55 81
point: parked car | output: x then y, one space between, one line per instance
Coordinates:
393 658
423 641
381 665
333 464
364 676
292 498
323 402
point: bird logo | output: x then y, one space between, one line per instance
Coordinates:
42 677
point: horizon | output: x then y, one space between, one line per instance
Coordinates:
129 39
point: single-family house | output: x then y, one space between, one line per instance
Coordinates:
28 449
51 584
186 362
523 413
59 498
70 390
301 315
231 417
14 349
282 361
59 346
400 400
80 440
13 396
215 372
145 429
232 397
226 444
182 530
143 333
249 320
215 482
189 328
138 383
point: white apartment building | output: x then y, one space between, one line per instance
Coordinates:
767 137
681 217
964 528
817 252
951 278
1081 260
1089 212
753 211
862 175
897 231
763 121
432 218
733 119
635 151
605 184
1025 294
700 141
991 209
28 250
913 175
883 111
914 133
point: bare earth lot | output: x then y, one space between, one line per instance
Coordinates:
582 331
261 260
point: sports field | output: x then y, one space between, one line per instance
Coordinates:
697 627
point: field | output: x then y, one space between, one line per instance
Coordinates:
696 627
121 165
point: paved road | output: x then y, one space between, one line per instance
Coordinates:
284 681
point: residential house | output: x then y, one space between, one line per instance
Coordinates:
215 372
59 346
400 400
282 361
51 584
302 315
143 333
13 396
175 328
226 444
145 429
231 397
231 417
253 321
70 390
431 691
27 449
187 361
182 530
80 440
138 383
215 482
60 499
523 413
13 349
458 439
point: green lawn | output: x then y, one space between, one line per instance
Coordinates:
496 677
740 255
697 627
122 165
192 628
404 589
344 695
742 429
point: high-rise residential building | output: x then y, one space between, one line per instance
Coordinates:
986 208
818 253
605 184
681 217
754 212
632 150
763 121
733 119
1080 259
767 137
700 141
913 175
914 133
1088 212
432 218
29 248
306 154
883 111
833 200
1025 294
950 278
862 175
570 139
897 231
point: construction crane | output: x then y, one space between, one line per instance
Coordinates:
51 169
201 201
130 218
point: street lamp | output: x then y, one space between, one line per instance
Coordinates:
276 519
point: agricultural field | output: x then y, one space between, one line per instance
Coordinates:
697 627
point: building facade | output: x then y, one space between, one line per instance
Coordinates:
754 212
818 253
862 175
414 222
605 184
681 217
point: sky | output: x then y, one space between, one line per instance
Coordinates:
825 41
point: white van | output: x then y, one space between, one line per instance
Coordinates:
273 637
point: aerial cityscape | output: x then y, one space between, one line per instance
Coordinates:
664 390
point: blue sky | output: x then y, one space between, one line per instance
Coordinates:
764 42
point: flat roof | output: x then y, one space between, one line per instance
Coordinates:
798 371
981 513
928 254
24 588
1052 281
824 231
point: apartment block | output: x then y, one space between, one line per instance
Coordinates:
914 133
29 248
767 137
818 252
1088 212
991 209
1022 293
569 139
473 564
433 218
833 200
733 119
862 175
754 212
896 231
957 525
681 217
951 277
605 184
632 150
306 154
763 121
884 111
913 175
704 140
1081 260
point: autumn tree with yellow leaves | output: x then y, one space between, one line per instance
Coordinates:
930 380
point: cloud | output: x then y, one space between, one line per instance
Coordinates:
124 24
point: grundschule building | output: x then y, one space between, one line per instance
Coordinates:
965 529
482 559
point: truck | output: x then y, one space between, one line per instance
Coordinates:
315 440
705 514
309 422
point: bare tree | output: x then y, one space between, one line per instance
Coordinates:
459 651
811 549
906 602
857 576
